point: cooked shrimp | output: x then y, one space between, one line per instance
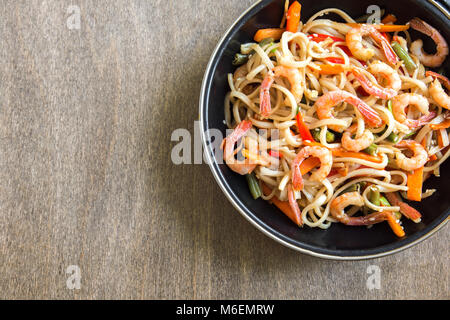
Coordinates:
242 167
326 102
417 161
374 88
358 143
437 92
393 79
354 42
326 161
353 198
294 78
264 96
400 102
406 209
429 60
294 206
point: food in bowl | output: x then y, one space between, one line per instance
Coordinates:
338 122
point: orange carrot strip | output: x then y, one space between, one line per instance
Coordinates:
395 226
284 206
383 27
293 17
274 33
443 125
389 18
415 182
339 152
331 69
309 164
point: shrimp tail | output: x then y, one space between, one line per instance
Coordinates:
406 209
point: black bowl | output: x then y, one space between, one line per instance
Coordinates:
339 241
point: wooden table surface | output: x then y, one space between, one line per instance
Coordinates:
86 178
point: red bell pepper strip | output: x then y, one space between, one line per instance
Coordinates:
303 129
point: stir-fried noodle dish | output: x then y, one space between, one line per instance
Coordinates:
339 122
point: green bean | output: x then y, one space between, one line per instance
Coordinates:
330 136
404 56
410 134
240 59
253 185
372 149
316 134
246 48
385 203
389 105
266 41
355 187
374 197
393 137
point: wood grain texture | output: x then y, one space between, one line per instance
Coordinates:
86 179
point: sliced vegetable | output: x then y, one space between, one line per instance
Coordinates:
330 136
389 106
415 181
274 33
293 17
340 152
309 164
393 137
303 129
443 125
319 37
284 206
240 59
384 27
404 56
331 69
374 197
266 41
395 225
385 203
335 60
372 150
275 154
389 18
253 185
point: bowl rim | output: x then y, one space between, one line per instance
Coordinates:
206 82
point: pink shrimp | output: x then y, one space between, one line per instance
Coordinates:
355 44
294 78
400 102
294 205
326 161
241 167
437 92
429 60
373 88
417 161
264 96
358 143
326 102
353 198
